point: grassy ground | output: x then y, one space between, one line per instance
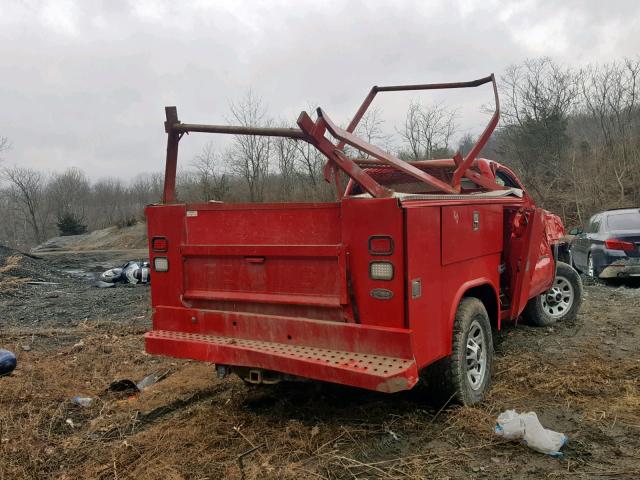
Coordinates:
581 378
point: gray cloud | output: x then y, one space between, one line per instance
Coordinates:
83 83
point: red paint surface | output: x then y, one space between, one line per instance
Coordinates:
286 287
298 274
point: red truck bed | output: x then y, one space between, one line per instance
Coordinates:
365 291
285 287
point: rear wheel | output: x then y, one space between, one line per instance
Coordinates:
464 376
560 303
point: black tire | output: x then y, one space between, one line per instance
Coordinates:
448 379
541 314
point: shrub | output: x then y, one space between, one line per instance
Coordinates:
69 224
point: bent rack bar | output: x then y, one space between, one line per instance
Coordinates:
313 133
176 129
462 165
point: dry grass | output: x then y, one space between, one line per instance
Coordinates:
8 283
194 426
11 263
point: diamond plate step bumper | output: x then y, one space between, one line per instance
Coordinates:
373 372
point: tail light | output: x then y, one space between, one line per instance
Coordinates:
617 244
381 271
161 264
380 245
159 244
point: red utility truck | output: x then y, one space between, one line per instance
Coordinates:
404 277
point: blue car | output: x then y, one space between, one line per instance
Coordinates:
609 245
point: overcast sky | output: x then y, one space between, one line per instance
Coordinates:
83 83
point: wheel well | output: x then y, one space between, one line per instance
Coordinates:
564 252
487 295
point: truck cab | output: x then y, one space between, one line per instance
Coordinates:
405 276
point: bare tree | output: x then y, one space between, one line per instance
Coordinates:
27 192
212 179
371 129
539 90
251 153
427 130
310 163
68 193
146 188
412 133
286 150
610 96
4 144
537 98
110 204
466 143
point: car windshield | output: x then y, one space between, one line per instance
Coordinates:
624 221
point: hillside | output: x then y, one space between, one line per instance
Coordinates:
111 238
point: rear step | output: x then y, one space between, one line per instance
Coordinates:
375 372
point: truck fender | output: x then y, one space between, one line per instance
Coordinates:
492 309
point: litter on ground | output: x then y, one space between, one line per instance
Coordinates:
7 362
526 427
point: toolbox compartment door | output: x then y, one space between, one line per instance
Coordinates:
471 231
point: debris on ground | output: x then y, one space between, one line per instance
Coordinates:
82 401
123 386
130 387
132 272
7 362
151 379
526 427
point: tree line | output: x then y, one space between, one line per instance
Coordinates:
571 134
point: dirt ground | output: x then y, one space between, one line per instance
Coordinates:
582 378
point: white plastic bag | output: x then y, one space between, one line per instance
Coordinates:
526 426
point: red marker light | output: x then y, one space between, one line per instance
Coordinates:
380 245
159 244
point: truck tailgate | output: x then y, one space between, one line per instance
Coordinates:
280 259
276 286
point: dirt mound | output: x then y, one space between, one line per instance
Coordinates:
18 268
111 238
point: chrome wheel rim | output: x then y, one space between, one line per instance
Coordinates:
558 301
590 271
476 352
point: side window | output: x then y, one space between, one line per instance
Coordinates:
594 224
602 224
504 179
589 225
